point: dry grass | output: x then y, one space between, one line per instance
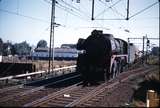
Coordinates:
153 60
40 64
151 82
43 65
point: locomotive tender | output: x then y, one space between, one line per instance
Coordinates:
101 57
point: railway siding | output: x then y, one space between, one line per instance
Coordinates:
68 97
50 96
97 97
25 94
81 96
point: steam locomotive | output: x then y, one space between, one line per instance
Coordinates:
102 57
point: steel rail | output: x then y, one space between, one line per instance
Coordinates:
101 89
51 96
34 89
46 99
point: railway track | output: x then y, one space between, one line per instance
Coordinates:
21 94
84 96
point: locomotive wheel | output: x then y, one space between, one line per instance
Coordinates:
122 66
114 69
119 67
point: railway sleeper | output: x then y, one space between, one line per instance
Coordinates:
60 101
69 99
91 102
86 88
87 104
94 99
77 94
82 90
100 95
51 104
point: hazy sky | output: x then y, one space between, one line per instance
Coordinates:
29 20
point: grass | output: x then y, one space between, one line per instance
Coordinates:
153 60
151 82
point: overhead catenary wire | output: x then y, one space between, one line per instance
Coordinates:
107 8
72 12
22 15
144 9
69 10
74 8
110 7
114 9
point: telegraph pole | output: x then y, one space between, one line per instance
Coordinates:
127 10
51 45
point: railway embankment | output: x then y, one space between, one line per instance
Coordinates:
133 92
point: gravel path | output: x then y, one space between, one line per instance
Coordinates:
118 96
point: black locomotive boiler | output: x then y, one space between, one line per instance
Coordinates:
101 57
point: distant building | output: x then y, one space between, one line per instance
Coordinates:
0 58
68 46
66 52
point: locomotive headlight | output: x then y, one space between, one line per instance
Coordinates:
81 51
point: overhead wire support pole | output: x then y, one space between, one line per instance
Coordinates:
51 45
53 25
127 10
143 49
92 10
128 50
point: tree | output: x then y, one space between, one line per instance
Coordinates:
42 44
6 50
22 48
155 51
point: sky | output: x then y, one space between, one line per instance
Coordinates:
29 20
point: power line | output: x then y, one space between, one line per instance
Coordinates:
95 27
71 11
116 11
67 9
74 8
106 9
110 7
143 9
29 17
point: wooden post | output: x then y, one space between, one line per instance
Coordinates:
152 99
